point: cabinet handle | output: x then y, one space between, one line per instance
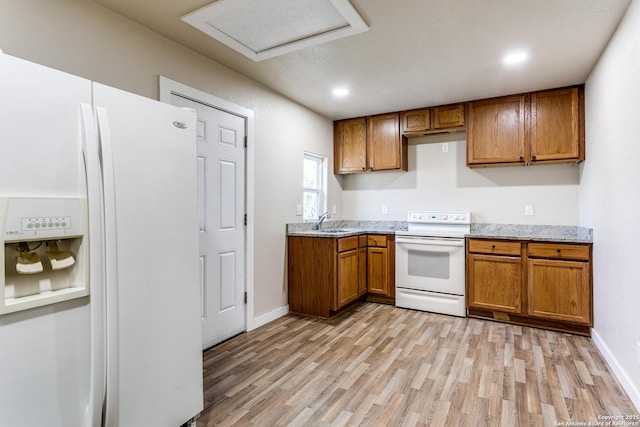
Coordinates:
522 158
363 168
371 168
533 158
493 246
559 251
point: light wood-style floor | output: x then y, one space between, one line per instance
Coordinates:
379 365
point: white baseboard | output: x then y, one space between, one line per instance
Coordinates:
270 317
618 371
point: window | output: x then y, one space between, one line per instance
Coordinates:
314 174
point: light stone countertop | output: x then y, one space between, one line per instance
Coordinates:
555 233
549 233
347 228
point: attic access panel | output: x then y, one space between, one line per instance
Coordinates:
262 29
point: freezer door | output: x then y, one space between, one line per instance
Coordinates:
154 358
44 352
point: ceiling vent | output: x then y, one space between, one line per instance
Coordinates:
262 29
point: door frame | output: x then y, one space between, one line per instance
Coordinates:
170 87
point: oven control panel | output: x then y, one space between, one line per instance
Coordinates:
439 217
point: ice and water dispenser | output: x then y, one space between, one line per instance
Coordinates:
45 252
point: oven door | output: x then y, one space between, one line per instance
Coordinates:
433 264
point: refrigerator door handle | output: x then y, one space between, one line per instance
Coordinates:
111 269
93 174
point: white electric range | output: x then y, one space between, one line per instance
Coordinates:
430 262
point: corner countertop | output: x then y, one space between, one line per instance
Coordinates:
345 228
548 233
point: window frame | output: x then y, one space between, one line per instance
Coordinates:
321 189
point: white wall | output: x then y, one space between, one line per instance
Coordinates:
441 181
85 39
610 198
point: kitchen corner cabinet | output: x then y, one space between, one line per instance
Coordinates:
323 274
369 144
381 268
539 127
559 282
545 285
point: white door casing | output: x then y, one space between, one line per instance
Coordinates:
221 161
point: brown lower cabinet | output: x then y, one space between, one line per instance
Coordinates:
327 274
545 285
381 268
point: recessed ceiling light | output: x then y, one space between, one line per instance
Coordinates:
515 58
341 91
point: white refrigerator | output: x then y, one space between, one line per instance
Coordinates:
111 337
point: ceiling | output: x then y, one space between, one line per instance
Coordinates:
416 53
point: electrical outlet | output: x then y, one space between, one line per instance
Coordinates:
299 210
445 147
528 210
385 210
334 210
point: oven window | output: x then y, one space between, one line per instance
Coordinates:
429 264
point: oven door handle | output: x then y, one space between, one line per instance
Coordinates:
429 241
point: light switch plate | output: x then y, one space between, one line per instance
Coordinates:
445 147
385 210
528 210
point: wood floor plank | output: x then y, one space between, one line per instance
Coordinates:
378 365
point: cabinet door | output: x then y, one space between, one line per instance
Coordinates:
416 120
378 271
496 131
349 145
559 290
555 125
362 271
448 116
348 279
494 282
385 149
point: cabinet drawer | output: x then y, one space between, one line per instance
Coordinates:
377 240
495 247
347 243
559 251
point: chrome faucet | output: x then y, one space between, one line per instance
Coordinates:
320 219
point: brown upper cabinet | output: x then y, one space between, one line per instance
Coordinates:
416 121
540 127
445 118
350 145
369 144
448 117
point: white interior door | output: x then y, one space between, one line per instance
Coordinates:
221 160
